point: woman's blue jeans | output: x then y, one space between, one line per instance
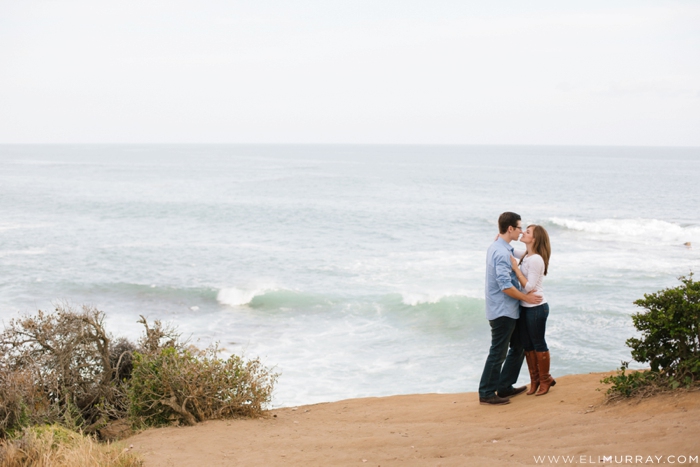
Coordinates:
532 326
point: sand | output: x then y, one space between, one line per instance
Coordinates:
571 422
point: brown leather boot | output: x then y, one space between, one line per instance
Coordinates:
531 359
546 380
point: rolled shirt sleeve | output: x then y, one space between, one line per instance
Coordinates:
499 277
504 272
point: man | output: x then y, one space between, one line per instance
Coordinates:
503 297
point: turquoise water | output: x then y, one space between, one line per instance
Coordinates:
354 270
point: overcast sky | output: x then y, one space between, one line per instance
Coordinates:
353 71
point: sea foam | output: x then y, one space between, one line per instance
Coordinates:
637 230
238 297
415 298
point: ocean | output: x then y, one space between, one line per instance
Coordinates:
352 270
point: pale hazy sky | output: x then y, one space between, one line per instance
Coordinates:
354 71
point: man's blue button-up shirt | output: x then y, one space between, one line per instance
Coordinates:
500 276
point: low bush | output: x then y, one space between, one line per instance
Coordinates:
627 383
56 446
669 343
64 368
65 356
21 402
188 385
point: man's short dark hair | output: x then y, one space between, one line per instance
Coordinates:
507 219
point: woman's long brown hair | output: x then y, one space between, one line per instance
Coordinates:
540 245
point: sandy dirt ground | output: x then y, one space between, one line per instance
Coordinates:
571 422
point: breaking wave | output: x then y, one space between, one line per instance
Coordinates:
644 230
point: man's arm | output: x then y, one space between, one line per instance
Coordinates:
503 269
518 295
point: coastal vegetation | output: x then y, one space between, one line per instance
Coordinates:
65 381
57 446
669 342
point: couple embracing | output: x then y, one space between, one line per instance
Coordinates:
517 312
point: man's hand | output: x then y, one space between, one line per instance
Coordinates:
532 298
518 295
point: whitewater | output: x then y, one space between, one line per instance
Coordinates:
352 270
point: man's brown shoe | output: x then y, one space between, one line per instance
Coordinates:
493 400
512 391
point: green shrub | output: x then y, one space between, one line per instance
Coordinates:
670 328
188 385
669 342
634 383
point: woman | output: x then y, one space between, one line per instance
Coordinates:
532 268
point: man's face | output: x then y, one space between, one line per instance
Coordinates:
515 231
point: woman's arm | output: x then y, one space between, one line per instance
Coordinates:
535 272
516 269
